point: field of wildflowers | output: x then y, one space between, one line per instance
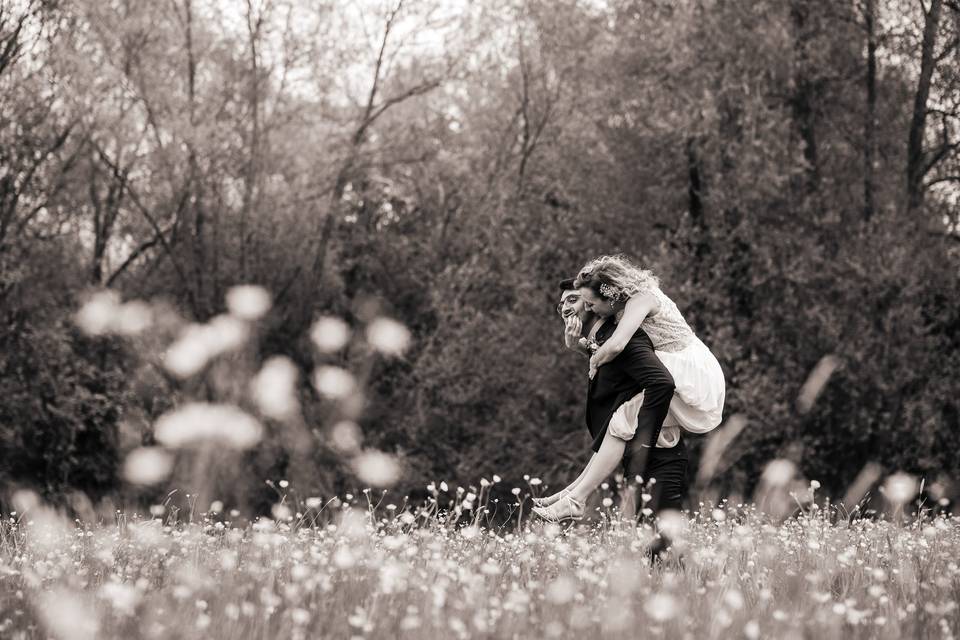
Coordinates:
350 568
463 562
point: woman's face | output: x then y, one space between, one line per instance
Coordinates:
596 303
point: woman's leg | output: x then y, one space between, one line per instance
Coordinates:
548 500
602 464
583 474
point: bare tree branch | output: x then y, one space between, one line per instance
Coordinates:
916 167
948 50
366 120
943 179
151 220
135 254
9 211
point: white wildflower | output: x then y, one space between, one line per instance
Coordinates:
248 302
133 318
200 422
274 388
99 314
346 437
387 336
147 465
333 382
67 616
329 334
661 607
900 487
199 343
778 472
376 468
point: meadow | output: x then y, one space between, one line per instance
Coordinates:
456 561
316 244
358 568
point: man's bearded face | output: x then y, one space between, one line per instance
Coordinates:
571 304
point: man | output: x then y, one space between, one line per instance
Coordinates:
656 453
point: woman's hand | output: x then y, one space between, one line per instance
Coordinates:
571 332
602 356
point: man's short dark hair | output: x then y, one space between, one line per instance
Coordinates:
567 284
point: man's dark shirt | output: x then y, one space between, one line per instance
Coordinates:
636 369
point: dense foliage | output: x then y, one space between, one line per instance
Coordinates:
789 168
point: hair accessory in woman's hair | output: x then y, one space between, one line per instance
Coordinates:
610 292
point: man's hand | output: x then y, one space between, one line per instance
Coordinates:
571 332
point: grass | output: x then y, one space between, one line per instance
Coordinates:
349 569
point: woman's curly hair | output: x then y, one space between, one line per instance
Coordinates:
615 278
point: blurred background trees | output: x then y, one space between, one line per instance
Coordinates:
791 169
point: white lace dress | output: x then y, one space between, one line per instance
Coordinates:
697 402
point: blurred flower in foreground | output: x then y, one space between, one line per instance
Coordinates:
281 512
274 388
122 597
353 525
248 302
98 315
387 336
147 465
376 468
133 318
104 314
778 473
24 500
816 381
67 616
562 590
673 524
198 344
199 422
661 607
49 531
329 334
346 437
900 488
333 382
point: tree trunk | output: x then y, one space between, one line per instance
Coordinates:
252 168
870 120
695 199
915 156
803 101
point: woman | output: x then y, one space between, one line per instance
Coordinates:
613 286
